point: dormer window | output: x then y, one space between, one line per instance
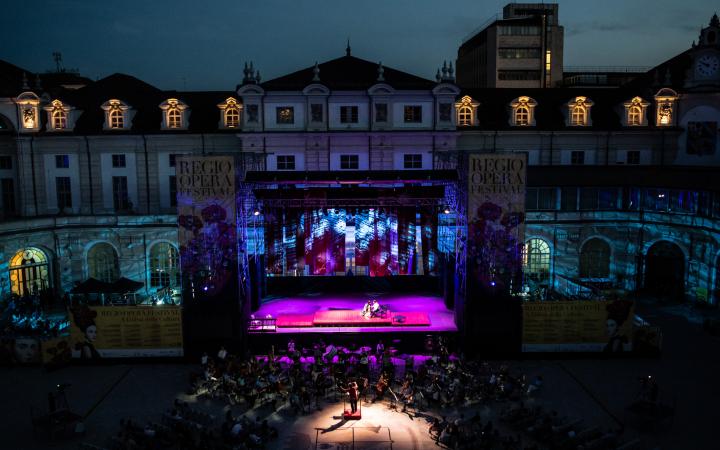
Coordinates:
58 114
230 113
466 111
174 117
579 112
523 112
635 112
27 103
116 114
666 100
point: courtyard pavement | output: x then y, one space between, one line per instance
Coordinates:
596 390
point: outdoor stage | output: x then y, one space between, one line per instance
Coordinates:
341 313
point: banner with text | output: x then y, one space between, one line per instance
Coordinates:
496 219
577 326
206 218
127 331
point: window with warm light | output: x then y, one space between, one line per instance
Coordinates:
117 120
174 111
229 113
232 117
59 120
466 110
523 112
665 100
635 116
635 112
579 112
465 116
27 104
174 118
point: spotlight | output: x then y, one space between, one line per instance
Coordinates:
256 212
372 209
446 210
492 283
205 288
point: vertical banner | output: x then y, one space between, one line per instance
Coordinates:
206 218
496 219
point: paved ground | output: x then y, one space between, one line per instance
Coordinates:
596 390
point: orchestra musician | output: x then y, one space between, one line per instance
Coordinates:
375 308
381 387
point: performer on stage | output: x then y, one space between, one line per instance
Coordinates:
352 391
367 310
375 308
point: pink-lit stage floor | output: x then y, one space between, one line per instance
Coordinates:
332 313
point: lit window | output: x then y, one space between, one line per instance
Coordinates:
665 100
465 116
523 109
536 260
59 120
286 162
29 272
230 113
174 111
522 116
285 115
635 112
232 117
28 109
580 112
174 118
466 110
117 119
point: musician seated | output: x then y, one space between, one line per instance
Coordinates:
375 308
367 310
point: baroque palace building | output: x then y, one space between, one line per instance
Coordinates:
622 191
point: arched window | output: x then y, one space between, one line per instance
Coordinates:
174 118
465 116
465 111
164 266
635 115
578 115
117 119
536 260
522 116
102 263
59 119
595 259
29 272
232 117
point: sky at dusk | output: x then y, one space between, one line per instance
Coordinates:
194 45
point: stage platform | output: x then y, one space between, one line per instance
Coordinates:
341 313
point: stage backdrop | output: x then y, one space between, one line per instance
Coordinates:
206 218
496 219
126 331
577 326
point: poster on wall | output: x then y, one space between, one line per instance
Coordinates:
125 332
496 219
578 326
206 220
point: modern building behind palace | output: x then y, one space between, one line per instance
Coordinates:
622 175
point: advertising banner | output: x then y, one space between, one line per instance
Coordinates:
496 219
577 326
206 220
126 331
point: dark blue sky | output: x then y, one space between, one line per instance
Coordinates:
183 44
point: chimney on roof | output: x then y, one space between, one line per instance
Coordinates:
38 83
381 72
347 49
25 85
